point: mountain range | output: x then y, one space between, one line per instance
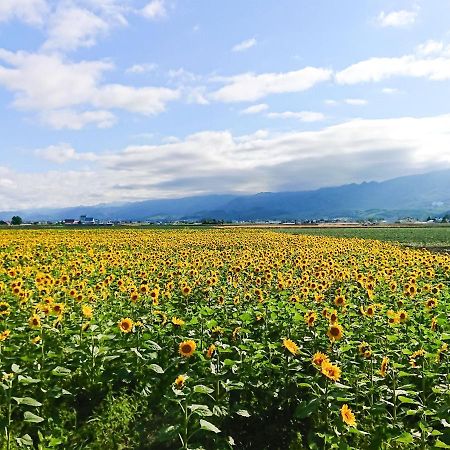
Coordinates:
410 196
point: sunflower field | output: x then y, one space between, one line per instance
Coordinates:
221 339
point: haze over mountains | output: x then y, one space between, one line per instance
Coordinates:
410 196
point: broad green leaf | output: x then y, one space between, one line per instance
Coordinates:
201 389
27 401
156 368
33 418
61 371
405 438
205 425
25 440
243 413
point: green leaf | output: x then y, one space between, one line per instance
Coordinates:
243 413
156 368
25 440
246 317
153 345
440 444
405 438
201 389
61 371
15 368
27 380
33 418
27 401
404 399
201 410
205 425
229 362
305 409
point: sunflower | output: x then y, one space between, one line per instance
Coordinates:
4 335
34 321
36 340
335 332
331 371
365 350
384 366
433 324
125 325
414 356
431 303
347 416
177 322
179 381
186 290
290 346
319 358
310 318
402 316
87 311
339 300
187 348
4 309
210 351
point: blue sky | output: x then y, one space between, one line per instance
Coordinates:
111 101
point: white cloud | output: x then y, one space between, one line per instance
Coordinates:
355 101
32 12
390 91
73 120
303 116
249 87
72 27
217 161
156 9
44 82
244 45
400 18
144 100
378 69
330 102
142 68
255 109
430 47
62 153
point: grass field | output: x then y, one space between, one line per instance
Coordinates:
430 237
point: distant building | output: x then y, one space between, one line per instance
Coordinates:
84 220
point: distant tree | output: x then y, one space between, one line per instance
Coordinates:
2 222
16 220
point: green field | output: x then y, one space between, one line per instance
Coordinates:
435 237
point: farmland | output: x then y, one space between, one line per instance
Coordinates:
222 338
434 237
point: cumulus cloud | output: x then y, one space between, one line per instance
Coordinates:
401 18
142 68
303 116
61 153
255 109
156 9
250 87
218 161
355 101
72 27
32 12
48 82
73 120
244 45
378 69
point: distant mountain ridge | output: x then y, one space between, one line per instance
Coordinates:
414 196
